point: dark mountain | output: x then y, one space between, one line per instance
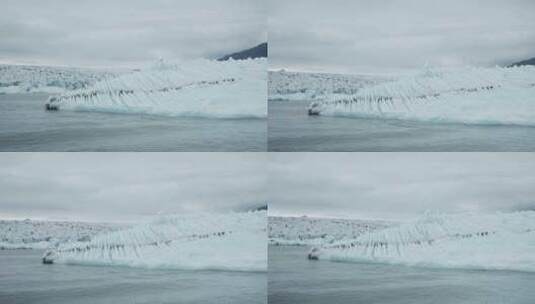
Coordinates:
259 51
252 207
261 208
524 62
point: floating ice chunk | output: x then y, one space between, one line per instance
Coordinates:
202 88
234 241
493 241
470 95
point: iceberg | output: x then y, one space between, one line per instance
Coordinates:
200 88
233 242
469 95
500 241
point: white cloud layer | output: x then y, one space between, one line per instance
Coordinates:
126 33
125 186
399 185
356 36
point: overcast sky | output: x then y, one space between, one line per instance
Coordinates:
129 33
362 36
128 186
399 185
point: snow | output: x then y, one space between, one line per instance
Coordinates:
297 86
199 88
31 234
16 79
306 231
504 241
230 241
468 95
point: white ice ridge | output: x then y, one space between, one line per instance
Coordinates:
468 95
503 241
233 241
200 88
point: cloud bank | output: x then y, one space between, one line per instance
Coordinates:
103 33
397 35
399 185
127 186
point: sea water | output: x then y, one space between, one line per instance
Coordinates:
290 128
295 279
24 279
26 126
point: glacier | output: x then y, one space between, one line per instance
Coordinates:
197 88
39 234
310 231
21 79
300 86
229 241
502 96
498 241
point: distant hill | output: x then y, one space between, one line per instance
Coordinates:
252 207
258 51
524 62
261 208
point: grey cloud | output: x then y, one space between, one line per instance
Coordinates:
115 186
123 186
118 33
376 36
399 185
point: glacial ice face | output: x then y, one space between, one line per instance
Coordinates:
16 79
297 86
307 231
32 234
469 95
494 241
201 88
234 241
